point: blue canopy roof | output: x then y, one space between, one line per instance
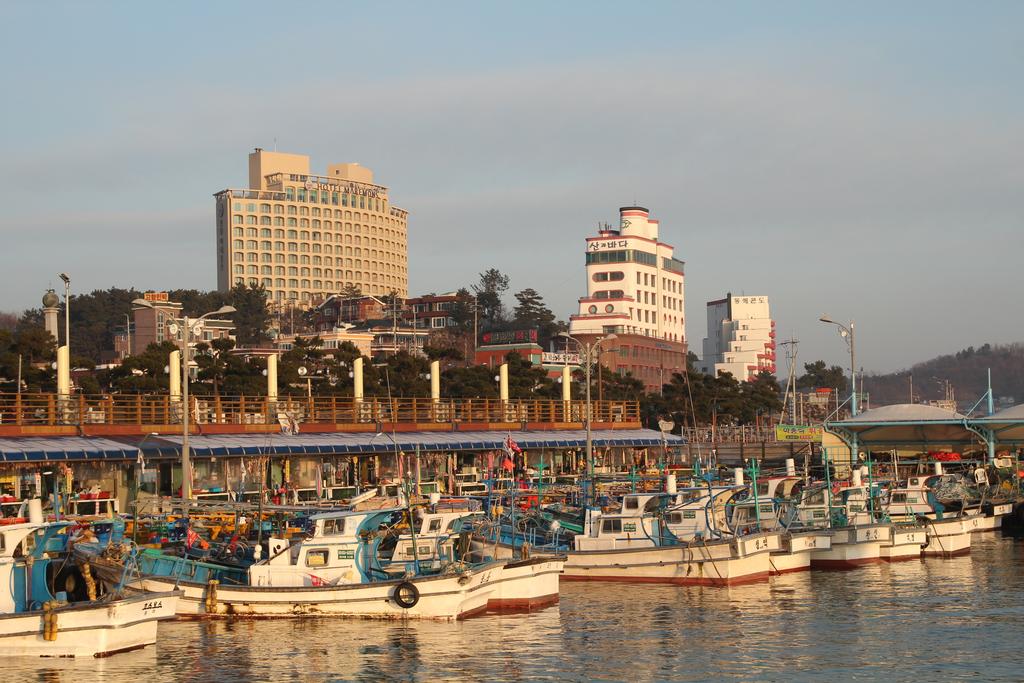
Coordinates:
33 449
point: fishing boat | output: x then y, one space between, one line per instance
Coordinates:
767 511
35 622
856 536
337 571
917 500
638 544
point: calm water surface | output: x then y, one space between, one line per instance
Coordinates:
950 620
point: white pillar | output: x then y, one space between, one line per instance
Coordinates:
435 380
738 474
566 383
938 468
174 374
63 372
503 381
50 321
272 377
357 379
790 467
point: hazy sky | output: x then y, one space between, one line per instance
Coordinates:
861 159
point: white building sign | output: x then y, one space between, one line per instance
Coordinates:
560 358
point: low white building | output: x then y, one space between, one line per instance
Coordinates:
741 337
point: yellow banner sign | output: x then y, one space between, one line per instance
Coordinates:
797 433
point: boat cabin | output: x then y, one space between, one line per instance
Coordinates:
702 512
436 533
636 525
335 552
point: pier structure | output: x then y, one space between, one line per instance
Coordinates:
129 446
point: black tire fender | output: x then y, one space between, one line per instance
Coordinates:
406 595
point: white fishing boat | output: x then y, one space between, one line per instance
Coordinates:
338 571
949 534
856 538
34 622
791 550
638 544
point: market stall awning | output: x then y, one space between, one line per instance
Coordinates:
65 448
341 444
906 424
33 449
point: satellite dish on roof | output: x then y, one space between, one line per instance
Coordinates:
666 425
302 371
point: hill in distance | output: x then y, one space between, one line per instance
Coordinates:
967 374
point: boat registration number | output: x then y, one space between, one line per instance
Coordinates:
151 605
629 527
346 554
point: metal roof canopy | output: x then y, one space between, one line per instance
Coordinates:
1006 426
77 448
907 424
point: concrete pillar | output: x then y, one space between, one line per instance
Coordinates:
503 381
435 380
174 373
50 321
63 371
357 379
272 377
566 383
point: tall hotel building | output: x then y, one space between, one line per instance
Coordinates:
304 237
634 291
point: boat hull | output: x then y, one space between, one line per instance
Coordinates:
991 519
498 586
794 553
97 629
948 537
905 544
718 563
852 547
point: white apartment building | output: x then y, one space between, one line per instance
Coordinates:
634 291
741 337
634 285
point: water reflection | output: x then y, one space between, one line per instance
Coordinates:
917 620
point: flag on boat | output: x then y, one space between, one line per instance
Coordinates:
191 538
319 481
316 581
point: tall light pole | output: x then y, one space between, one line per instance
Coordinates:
589 349
67 312
186 332
847 334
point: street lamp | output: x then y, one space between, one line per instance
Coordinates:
589 349
847 334
187 329
67 312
